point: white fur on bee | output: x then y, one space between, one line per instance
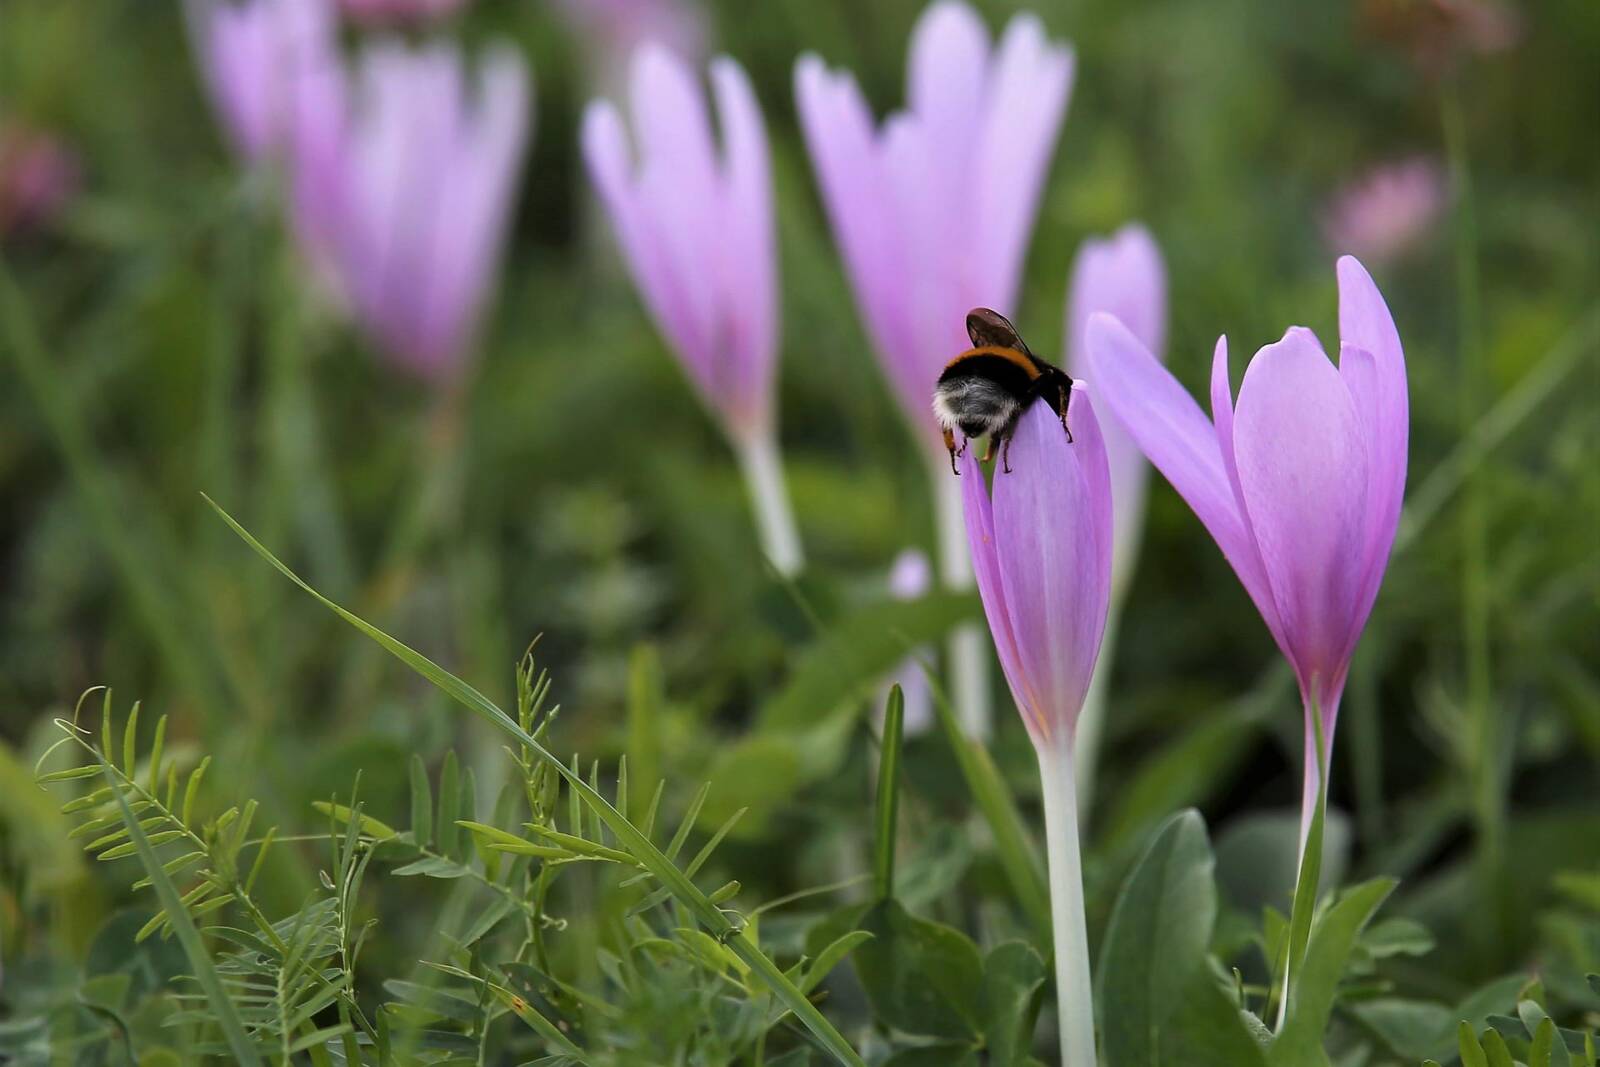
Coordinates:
972 400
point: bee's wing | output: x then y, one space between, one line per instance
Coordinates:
989 328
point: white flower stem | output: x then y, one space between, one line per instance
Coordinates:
1092 719
763 475
969 653
1074 993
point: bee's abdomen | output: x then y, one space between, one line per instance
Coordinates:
976 403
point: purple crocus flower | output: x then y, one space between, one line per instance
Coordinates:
1042 552
933 209
39 175
696 230
1386 211
1300 483
695 226
252 54
1122 274
910 577
403 184
386 11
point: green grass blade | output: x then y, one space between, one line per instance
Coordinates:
626 833
888 794
171 902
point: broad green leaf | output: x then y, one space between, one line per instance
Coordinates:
445 831
857 651
951 1054
922 977
1397 937
1315 986
377 830
681 887
1472 1054
888 795
1495 1050
1013 984
1412 1029
421 803
831 956
1156 941
1545 1048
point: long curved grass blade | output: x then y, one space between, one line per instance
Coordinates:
888 794
628 835
204 972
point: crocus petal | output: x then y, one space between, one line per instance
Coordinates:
1027 100
677 183
839 136
748 267
1381 397
1222 416
471 215
1052 522
1303 474
1168 426
979 515
1123 275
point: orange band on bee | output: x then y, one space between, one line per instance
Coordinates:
1010 355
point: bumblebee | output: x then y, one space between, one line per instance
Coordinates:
984 391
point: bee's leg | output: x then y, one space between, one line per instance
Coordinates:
1063 403
1005 455
950 443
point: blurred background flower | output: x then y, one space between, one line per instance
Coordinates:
1386 211
252 53
381 12
39 175
910 577
695 226
404 172
612 31
1125 276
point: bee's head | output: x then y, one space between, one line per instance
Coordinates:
990 329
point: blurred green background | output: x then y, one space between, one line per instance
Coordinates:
159 341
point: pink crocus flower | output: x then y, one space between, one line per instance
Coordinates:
933 209
403 180
613 31
252 54
1122 274
39 174
1300 483
695 225
1041 548
1386 211
1125 275
911 577
390 11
